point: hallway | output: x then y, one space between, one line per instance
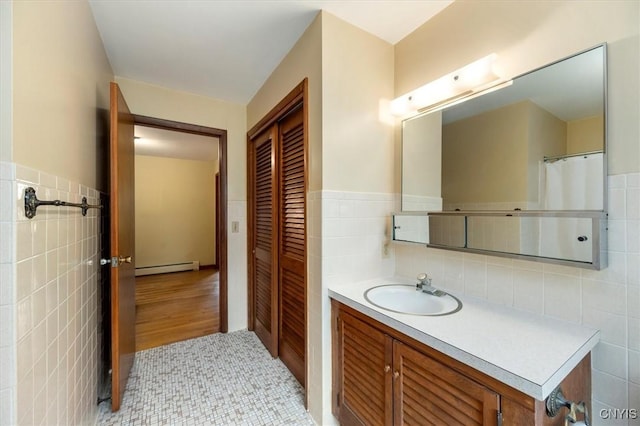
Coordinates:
221 379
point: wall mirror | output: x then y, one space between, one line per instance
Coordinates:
537 145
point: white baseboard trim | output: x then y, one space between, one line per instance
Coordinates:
163 269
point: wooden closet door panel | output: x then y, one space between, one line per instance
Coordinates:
365 376
428 393
264 225
292 272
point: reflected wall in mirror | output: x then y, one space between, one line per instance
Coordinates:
538 144
412 228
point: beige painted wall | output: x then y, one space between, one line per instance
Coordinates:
159 102
357 138
357 145
304 60
6 80
585 135
61 80
60 85
484 157
175 211
527 35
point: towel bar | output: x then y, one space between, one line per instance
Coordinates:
31 203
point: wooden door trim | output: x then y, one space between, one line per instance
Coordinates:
221 214
216 262
298 94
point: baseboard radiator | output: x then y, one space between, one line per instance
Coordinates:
163 269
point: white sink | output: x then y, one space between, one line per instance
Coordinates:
405 299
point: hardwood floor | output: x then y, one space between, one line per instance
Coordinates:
176 306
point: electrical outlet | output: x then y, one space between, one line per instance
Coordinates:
235 226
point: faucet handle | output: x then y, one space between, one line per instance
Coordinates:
424 278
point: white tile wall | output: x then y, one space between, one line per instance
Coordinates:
8 308
349 240
356 227
608 300
49 302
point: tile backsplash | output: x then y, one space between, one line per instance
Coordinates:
54 301
608 299
7 295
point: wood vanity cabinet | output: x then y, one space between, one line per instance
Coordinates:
382 377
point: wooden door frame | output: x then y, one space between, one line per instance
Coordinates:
299 95
216 264
221 214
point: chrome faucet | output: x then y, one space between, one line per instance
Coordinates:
424 285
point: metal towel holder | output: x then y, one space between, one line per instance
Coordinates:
31 203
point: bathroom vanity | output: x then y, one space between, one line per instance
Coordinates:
484 364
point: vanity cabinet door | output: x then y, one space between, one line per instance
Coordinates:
365 396
427 392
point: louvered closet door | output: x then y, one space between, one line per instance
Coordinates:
428 393
264 223
292 329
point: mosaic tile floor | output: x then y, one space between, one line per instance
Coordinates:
222 379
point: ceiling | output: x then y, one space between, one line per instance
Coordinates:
226 49
155 142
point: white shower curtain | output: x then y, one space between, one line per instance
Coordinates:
574 183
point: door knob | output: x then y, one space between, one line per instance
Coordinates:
123 259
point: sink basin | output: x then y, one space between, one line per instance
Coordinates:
405 299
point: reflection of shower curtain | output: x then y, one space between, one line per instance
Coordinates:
574 183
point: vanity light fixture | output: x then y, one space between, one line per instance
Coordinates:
468 80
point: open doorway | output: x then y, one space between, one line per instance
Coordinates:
217 197
175 193
177 276
213 148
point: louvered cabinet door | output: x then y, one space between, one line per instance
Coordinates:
428 393
292 273
365 396
264 225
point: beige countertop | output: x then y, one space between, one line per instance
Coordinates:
528 352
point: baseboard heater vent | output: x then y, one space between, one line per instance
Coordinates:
163 269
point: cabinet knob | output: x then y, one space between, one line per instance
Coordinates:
387 368
396 374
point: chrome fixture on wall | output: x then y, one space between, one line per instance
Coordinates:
556 400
